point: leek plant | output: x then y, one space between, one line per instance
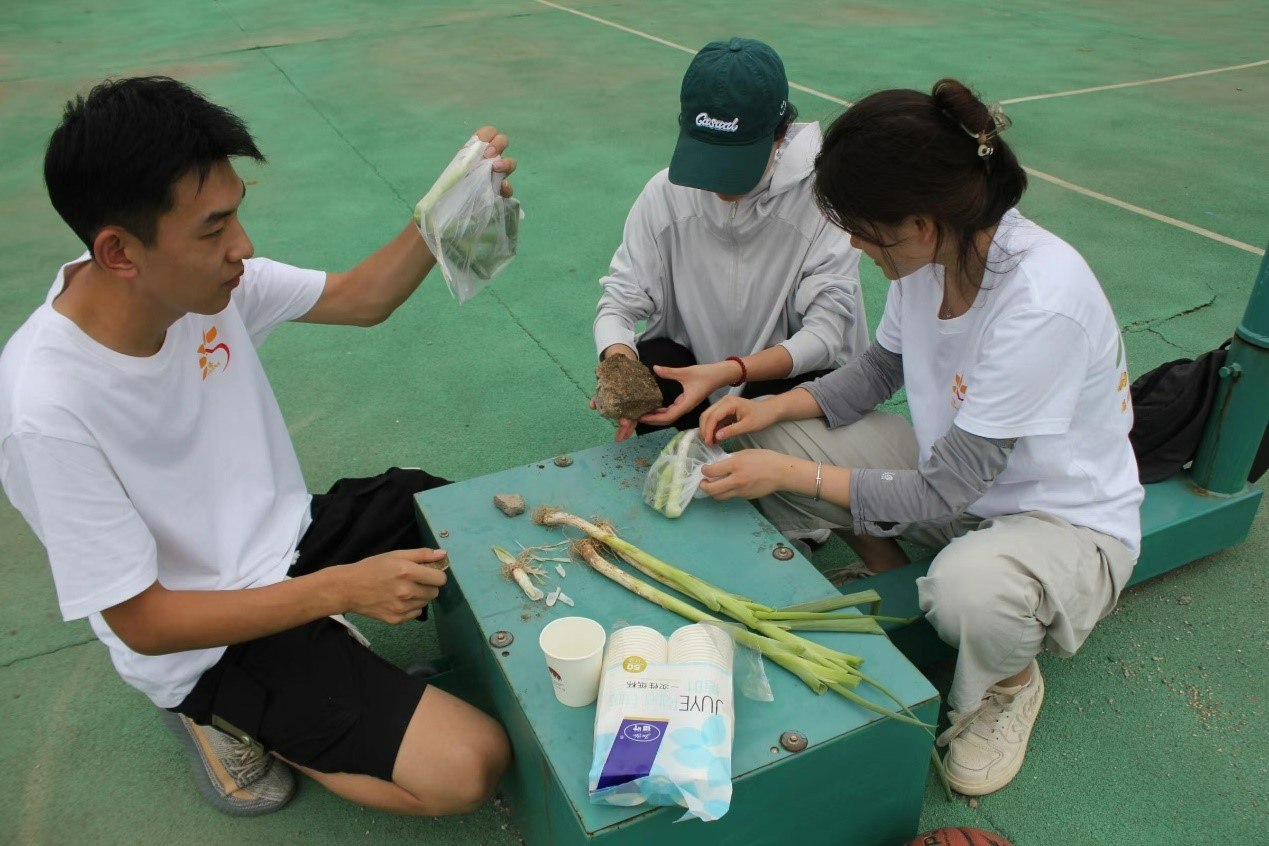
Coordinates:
672 475
768 630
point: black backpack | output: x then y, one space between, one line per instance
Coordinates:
1170 407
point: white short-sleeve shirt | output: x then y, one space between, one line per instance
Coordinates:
1038 358
175 467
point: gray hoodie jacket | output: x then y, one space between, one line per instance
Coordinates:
729 279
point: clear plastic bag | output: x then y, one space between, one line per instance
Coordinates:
468 225
674 479
749 673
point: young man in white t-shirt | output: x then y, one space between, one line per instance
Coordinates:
140 439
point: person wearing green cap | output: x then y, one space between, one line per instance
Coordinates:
744 285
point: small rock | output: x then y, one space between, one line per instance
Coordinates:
509 504
1184 600
973 803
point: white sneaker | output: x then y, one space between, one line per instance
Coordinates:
986 746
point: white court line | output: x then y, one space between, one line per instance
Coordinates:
1087 192
838 100
1133 84
1162 218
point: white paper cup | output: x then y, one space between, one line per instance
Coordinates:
574 650
694 643
648 645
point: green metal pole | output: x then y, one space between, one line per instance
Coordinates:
1237 423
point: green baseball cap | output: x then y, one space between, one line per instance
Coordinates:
735 96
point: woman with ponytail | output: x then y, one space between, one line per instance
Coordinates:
1016 466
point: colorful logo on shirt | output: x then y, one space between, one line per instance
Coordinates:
1123 377
959 390
210 358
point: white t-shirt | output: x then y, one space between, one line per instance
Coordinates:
175 467
1038 358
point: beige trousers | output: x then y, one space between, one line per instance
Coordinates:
999 589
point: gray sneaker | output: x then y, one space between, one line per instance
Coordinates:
233 776
852 572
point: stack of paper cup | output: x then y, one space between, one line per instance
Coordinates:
701 643
630 650
635 644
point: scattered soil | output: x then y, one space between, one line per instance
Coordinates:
626 389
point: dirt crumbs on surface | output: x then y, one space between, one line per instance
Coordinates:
626 389
642 463
509 504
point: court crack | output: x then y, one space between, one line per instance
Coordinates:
534 338
23 658
264 51
1167 340
1149 325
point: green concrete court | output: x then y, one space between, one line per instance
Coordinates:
1155 733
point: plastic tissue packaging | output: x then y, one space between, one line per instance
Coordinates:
664 721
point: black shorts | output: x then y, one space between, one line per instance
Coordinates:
314 694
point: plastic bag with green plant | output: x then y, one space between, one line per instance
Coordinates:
468 225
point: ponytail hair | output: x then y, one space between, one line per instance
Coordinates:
900 152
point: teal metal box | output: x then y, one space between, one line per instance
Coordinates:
861 778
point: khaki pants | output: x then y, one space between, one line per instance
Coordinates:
999 589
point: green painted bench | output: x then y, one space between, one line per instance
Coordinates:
489 631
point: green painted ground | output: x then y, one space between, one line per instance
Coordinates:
1154 733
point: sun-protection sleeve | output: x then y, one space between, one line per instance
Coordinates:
851 391
960 469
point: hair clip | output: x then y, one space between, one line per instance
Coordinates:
1000 122
998 117
984 149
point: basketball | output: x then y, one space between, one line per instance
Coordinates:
959 837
